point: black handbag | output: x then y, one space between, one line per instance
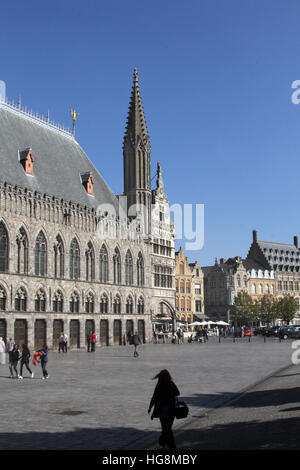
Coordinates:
181 409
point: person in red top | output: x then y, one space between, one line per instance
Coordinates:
94 338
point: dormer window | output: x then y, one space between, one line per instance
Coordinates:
27 161
88 182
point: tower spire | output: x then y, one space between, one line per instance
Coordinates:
136 128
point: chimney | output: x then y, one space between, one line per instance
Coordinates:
2 91
254 234
296 241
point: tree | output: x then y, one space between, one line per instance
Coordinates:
287 308
267 309
244 310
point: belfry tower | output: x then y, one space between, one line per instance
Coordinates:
137 164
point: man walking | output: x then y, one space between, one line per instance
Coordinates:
136 341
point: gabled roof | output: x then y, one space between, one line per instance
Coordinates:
59 161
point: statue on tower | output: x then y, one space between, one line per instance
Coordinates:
74 117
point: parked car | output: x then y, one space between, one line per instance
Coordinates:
261 330
289 331
272 331
247 332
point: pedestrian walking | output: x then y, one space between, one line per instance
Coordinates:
25 361
44 361
93 340
88 341
65 343
136 341
163 400
61 343
2 351
15 356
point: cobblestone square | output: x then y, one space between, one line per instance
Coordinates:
99 400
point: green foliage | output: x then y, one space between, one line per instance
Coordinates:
267 309
244 310
287 308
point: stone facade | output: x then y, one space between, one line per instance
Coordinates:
189 289
66 265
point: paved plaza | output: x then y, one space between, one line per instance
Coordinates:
99 400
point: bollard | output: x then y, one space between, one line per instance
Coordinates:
264 338
219 339
249 338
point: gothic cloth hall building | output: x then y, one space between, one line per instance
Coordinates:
75 257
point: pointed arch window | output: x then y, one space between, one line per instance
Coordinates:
40 301
21 300
90 262
3 248
2 299
140 270
129 305
40 255
22 251
58 302
74 303
141 306
89 303
59 258
128 269
103 264
104 304
74 260
117 267
117 305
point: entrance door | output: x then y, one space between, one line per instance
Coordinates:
3 329
141 330
40 338
104 332
117 332
129 328
58 328
20 336
74 334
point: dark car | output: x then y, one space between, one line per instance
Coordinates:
272 331
261 330
290 331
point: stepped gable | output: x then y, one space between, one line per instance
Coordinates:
59 161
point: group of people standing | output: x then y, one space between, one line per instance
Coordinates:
21 357
91 339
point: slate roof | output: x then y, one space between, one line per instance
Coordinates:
280 254
58 165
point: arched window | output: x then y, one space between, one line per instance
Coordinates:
21 300
117 267
104 304
267 288
117 305
188 304
89 303
140 270
74 303
74 260
253 289
59 258
141 306
103 264
182 305
3 248
181 268
58 302
90 262
40 255
22 251
260 289
129 305
40 301
128 269
2 299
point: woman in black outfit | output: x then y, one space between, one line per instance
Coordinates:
163 400
25 361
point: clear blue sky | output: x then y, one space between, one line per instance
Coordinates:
216 79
